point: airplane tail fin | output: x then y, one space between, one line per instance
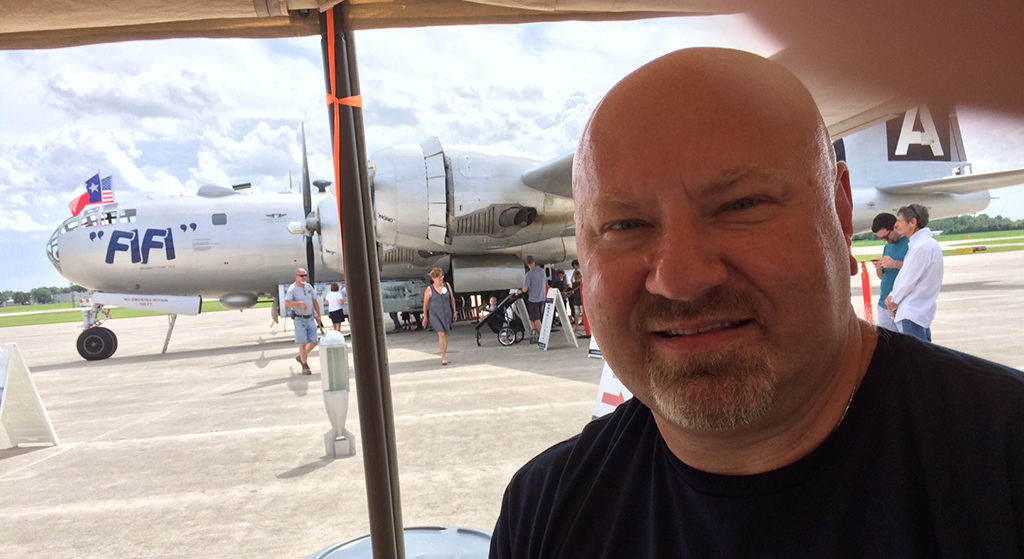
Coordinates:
923 144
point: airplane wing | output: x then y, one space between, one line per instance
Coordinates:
553 177
959 185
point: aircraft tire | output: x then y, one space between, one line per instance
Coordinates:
96 343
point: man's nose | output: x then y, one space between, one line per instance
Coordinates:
683 265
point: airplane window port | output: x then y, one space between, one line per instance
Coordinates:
220 219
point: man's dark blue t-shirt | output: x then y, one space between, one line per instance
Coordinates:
928 462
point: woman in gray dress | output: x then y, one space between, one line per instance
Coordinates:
439 310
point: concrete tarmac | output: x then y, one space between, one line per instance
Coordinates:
216 448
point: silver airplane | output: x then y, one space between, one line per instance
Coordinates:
474 214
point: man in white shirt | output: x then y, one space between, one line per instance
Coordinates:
916 290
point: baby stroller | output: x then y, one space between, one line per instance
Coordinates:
504 322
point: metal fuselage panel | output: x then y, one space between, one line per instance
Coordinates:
237 243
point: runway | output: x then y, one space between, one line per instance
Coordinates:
216 448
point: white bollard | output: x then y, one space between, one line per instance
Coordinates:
338 442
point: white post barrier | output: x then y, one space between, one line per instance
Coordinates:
339 442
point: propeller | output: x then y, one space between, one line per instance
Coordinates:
307 208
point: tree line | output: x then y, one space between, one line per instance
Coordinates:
39 295
963 224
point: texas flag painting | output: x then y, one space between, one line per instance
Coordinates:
96 192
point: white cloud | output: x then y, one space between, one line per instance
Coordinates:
165 117
21 221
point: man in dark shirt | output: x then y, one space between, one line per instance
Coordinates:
768 420
534 285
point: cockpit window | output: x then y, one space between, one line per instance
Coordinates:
96 218
220 219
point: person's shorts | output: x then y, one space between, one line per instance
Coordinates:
337 316
305 330
535 310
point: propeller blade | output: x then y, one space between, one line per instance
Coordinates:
310 259
307 207
307 196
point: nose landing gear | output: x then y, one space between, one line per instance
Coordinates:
96 343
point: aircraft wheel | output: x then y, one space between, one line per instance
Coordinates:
506 336
96 343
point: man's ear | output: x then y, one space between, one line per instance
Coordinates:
844 208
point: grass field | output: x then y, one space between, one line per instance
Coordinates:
46 307
987 236
991 240
75 315
989 248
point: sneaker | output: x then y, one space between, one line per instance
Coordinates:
306 371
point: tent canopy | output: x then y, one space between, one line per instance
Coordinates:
62 23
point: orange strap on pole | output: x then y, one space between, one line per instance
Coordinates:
355 101
865 284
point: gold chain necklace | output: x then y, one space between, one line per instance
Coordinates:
849 402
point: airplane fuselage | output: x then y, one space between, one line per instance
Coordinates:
183 246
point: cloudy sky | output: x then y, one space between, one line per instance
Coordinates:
165 117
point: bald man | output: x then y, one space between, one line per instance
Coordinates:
769 421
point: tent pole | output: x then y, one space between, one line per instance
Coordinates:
362 283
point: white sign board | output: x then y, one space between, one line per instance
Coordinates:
554 304
610 393
22 413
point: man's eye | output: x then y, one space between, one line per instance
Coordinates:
624 225
744 204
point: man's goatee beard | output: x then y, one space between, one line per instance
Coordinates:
713 392
708 391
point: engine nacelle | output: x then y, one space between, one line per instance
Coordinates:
406 204
476 273
446 199
238 300
473 274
